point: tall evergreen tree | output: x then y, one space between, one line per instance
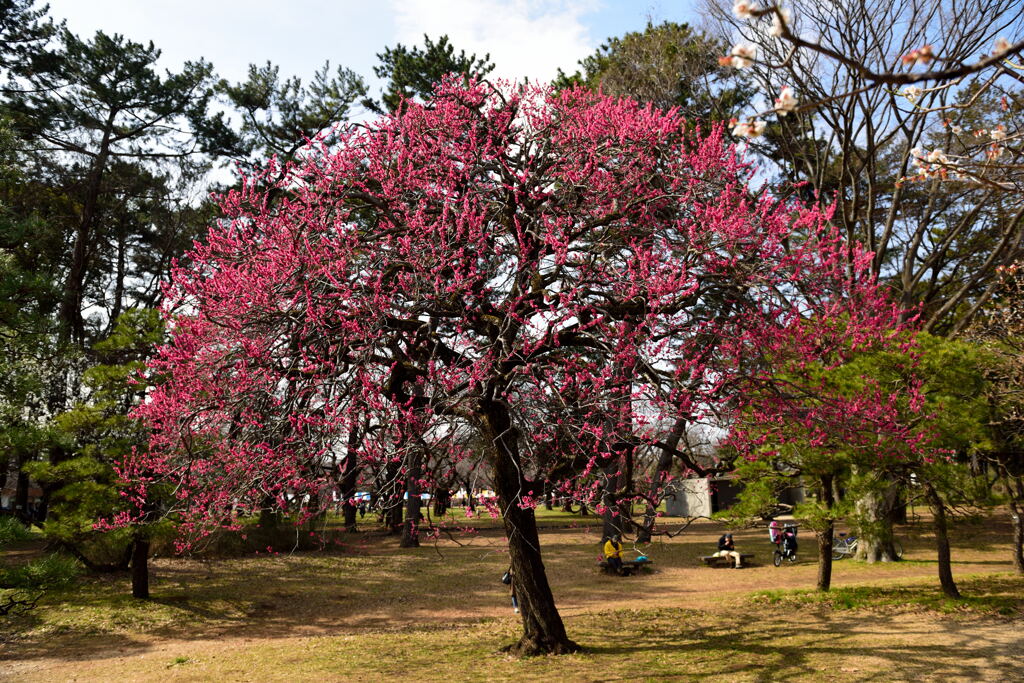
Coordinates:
412 72
279 115
103 105
668 65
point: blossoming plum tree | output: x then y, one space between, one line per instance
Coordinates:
547 270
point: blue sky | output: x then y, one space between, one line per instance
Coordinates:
526 38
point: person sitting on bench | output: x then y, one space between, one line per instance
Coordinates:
726 548
613 553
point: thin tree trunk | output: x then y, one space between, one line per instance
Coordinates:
1017 514
413 503
1015 486
394 490
656 489
942 542
442 500
72 326
118 302
824 537
140 568
543 630
347 485
21 497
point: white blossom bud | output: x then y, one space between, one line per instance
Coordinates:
742 9
916 157
786 101
743 55
777 26
748 129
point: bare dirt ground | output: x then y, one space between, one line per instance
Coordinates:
233 611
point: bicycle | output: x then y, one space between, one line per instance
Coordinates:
845 545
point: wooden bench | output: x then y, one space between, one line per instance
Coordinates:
628 566
725 560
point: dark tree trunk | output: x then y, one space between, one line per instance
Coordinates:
548 496
118 302
656 491
270 517
613 520
468 486
411 527
348 511
72 325
347 485
543 630
1016 488
392 495
942 542
21 497
140 568
619 473
442 500
825 557
824 537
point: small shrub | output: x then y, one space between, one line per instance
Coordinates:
52 571
11 530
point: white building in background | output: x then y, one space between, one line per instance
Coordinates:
700 497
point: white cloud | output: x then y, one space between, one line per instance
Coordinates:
525 38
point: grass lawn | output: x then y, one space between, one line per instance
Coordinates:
368 610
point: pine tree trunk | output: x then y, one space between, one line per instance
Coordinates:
876 509
942 542
21 497
140 568
1015 487
543 630
1017 513
70 312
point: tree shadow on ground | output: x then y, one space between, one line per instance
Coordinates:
862 647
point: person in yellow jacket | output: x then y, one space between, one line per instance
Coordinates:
613 553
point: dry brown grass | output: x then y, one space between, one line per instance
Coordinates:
372 611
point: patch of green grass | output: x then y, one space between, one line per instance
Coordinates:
51 571
13 531
1001 594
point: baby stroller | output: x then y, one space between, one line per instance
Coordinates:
786 546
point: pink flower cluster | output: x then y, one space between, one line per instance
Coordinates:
556 275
